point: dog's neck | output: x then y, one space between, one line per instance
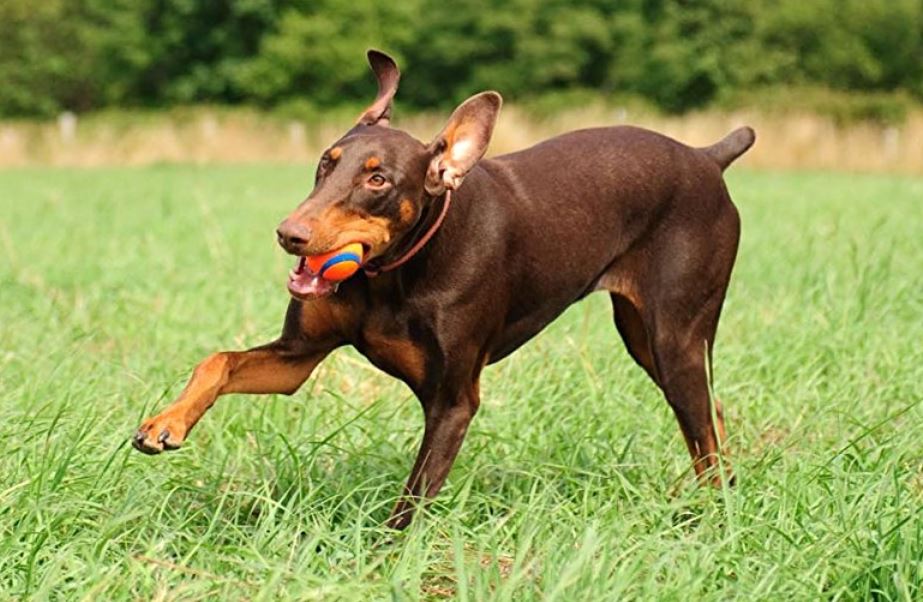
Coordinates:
416 238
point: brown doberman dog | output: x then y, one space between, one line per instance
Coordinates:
617 209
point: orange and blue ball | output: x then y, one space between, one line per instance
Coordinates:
337 265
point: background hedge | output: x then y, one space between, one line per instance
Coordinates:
88 54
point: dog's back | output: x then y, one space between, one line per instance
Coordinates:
575 205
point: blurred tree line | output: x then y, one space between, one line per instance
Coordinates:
679 54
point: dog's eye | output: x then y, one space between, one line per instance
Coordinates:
376 180
323 166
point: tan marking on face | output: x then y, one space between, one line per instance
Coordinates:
335 228
335 153
406 210
372 162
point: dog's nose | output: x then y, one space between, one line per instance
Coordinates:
293 236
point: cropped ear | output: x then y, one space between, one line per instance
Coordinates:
462 142
388 75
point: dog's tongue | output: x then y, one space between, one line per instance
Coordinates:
302 283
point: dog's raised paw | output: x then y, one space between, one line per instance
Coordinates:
157 435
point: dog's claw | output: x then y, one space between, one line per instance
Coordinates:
139 443
166 439
138 440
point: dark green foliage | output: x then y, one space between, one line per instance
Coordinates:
87 54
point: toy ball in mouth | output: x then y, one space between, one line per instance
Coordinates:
337 265
319 275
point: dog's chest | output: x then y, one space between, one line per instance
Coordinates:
389 346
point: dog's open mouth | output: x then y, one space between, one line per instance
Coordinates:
304 284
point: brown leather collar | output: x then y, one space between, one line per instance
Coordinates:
372 272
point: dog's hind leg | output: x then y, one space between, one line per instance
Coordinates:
694 424
630 325
683 293
666 304
682 355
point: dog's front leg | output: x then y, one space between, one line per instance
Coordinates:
279 367
448 415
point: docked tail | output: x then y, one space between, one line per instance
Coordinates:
731 146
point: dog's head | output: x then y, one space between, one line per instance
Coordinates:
375 183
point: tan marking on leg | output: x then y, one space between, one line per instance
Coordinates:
709 454
260 370
719 415
620 282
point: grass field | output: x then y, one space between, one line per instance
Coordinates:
574 482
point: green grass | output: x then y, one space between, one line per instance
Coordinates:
574 482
